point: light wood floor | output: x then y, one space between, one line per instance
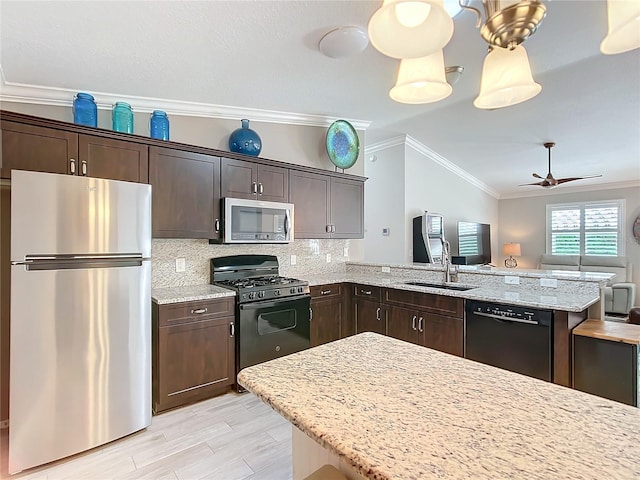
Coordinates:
230 437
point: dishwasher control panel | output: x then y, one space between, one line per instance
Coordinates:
510 312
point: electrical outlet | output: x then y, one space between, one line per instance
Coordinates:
345 252
294 259
328 258
509 280
549 282
386 269
180 265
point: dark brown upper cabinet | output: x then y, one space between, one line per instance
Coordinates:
241 179
43 149
326 206
186 194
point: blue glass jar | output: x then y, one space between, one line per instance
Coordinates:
159 125
122 118
85 110
244 140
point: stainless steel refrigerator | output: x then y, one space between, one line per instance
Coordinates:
80 363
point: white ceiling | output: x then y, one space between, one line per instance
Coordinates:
264 55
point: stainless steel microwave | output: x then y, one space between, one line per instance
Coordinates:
255 221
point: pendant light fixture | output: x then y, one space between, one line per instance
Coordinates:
410 28
506 79
421 80
624 27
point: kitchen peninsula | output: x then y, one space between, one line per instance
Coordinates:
380 408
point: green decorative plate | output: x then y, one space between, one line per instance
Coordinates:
343 144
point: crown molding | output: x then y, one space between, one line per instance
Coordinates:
440 160
541 192
384 144
63 97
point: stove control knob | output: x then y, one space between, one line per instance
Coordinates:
252 295
293 290
276 292
261 294
300 289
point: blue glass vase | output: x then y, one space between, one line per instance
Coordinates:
244 140
159 125
85 110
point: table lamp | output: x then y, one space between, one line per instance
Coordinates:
513 250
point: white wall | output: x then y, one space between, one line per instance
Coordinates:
384 205
403 183
523 220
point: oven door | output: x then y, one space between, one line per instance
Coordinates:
272 329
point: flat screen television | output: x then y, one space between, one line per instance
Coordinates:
474 243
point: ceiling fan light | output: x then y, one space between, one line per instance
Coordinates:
624 27
410 28
506 79
421 80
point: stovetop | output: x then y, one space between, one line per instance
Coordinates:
265 288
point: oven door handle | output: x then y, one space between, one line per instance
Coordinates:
272 303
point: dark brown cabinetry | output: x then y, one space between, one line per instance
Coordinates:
329 318
368 313
249 180
44 149
435 321
186 194
193 351
326 207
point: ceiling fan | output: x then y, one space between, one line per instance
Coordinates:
549 181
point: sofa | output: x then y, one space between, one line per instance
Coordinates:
620 291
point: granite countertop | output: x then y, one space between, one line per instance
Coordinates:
570 302
189 294
394 410
614 331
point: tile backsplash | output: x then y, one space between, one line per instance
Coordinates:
311 258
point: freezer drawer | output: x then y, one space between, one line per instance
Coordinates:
80 359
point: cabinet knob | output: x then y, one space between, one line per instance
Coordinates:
84 168
198 311
217 225
413 322
378 314
325 292
72 166
260 189
420 329
365 292
232 329
254 187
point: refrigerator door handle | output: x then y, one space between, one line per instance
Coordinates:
65 262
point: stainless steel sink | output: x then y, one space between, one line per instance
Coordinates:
440 285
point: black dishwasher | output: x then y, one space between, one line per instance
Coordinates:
519 339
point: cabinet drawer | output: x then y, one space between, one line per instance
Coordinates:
326 291
367 291
442 304
186 312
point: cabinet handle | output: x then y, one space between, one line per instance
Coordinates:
325 292
378 314
260 189
366 292
310 314
232 329
84 168
254 187
198 311
328 228
217 225
420 325
72 166
413 322
333 229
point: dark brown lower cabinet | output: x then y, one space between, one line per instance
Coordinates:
443 333
328 314
369 316
193 351
404 324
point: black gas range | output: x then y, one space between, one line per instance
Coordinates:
272 312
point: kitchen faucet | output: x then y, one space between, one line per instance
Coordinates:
446 260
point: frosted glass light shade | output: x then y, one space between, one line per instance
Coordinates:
624 27
506 79
512 249
421 80
410 28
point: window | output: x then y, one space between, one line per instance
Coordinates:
587 228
